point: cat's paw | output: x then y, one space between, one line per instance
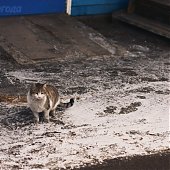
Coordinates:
46 120
36 121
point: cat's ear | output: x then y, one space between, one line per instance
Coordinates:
33 85
45 85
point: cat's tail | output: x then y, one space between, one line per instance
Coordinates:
66 105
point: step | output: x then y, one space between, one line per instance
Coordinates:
143 22
154 9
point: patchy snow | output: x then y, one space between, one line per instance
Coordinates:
92 132
102 42
122 109
28 76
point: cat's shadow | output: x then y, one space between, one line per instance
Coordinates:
25 117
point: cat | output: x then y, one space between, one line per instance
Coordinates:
44 98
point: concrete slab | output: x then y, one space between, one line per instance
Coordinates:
37 38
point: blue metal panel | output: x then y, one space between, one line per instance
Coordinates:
21 7
88 7
92 2
98 9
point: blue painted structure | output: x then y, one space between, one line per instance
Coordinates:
89 7
24 7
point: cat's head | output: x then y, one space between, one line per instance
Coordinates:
37 91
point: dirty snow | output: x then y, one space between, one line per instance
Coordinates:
122 109
92 133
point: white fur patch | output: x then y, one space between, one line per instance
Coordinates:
35 104
58 102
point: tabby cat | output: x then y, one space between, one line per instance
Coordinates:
44 98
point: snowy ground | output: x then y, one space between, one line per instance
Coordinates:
121 109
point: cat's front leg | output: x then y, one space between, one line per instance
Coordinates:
36 117
52 113
46 115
